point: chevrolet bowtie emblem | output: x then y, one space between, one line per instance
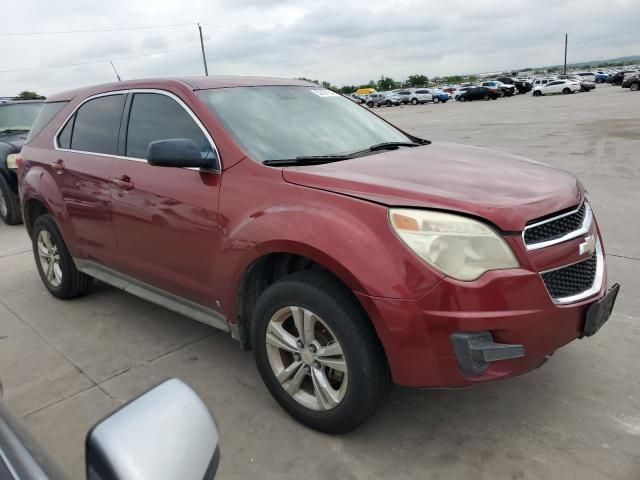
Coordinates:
589 245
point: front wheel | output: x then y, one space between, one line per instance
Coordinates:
370 104
635 86
54 262
414 101
566 91
462 99
9 204
318 353
436 100
486 97
388 103
537 93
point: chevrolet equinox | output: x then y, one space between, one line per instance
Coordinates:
347 254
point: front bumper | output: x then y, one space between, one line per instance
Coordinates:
513 305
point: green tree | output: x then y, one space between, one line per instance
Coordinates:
417 81
27 95
386 83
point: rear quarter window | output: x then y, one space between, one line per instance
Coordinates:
49 110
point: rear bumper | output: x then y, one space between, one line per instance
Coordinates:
512 305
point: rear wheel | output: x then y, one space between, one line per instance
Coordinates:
54 262
414 101
635 86
537 93
370 104
486 97
566 91
9 204
317 353
388 103
436 100
462 99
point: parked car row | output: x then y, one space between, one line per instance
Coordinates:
413 96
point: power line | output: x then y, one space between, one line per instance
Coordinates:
95 30
291 37
91 62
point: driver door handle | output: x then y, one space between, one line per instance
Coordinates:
124 182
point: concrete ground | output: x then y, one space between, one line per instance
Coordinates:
64 365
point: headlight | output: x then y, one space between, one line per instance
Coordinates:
458 246
11 161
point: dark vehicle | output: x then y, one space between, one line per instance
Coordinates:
16 119
501 88
633 83
167 432
523 86
618 78
478 93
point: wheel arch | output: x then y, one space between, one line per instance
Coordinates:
273 262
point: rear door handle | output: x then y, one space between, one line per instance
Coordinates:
58 166
124 182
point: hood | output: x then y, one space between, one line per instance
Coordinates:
504 189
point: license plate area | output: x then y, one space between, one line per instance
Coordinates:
599 312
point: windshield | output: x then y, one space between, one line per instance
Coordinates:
285 122
17 116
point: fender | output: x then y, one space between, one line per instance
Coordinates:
349 237
37 184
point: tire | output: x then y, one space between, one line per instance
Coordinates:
537 93
634 87
414 101
67 281
486 97
318 295
9 204
566 91
370 104
436 100
462 99
388 103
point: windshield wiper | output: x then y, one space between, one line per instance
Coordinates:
319 159
392 145
13 130
308 160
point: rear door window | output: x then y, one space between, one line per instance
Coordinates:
155 117
97 125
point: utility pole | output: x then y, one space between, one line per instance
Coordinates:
566 39
114 70
204 56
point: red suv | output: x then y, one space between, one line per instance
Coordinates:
348 254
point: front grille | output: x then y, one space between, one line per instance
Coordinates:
556 227
571 280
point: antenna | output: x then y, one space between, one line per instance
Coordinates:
115 71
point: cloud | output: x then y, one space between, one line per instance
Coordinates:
343 42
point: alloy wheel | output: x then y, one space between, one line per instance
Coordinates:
635 86
4 209
306 358
49 257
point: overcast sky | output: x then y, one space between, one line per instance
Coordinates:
339 41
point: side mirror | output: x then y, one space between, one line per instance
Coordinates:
178 152
166 433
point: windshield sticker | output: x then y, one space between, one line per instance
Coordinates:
324 93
